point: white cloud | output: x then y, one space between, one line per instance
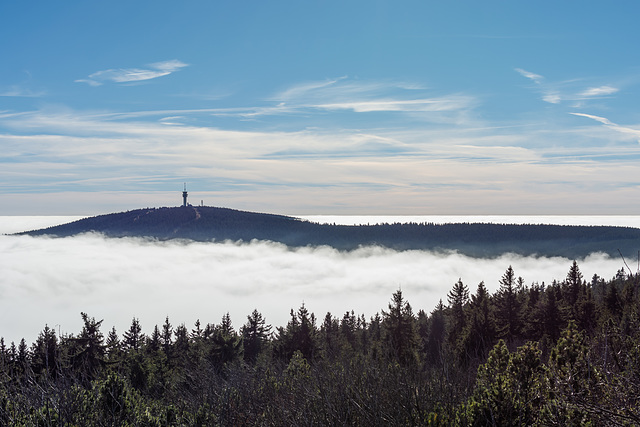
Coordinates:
126 75
599 91
552 98
556 93
414 105
635 133
95 160
531 76
20 91
364 97
295 92
596 118
108 279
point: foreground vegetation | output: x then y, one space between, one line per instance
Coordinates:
567 353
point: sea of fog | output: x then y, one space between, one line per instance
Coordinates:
50 281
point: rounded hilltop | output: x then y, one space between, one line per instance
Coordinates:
206 223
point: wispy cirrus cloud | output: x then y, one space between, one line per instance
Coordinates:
128 75
104 156
343 89
556 93
413 105
20 91
599 91
608 123
537 78
344 94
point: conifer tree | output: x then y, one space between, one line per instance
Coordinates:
330 336
298 335
154 341
133 337
255 334
481 330
458 298
348 330
437 334
508 307
226 344
89 357
166 338
44 353
573 283
400 329
551 316
113 345
181 345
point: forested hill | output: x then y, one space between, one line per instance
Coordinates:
212 223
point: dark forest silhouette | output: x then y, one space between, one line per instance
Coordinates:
203 223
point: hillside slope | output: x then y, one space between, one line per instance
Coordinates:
213 223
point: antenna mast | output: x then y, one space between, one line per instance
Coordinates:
184 195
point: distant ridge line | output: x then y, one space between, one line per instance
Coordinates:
206 223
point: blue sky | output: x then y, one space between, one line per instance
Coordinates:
309 107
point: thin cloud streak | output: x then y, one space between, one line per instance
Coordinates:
414 105
556 93
117 279
599 91
21 92
364 97
608 123
127 75
536 78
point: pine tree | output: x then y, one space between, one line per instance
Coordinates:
255 335
154 341
133 338
508 307
573 284
44 353
458 298
481 330
113 345
400 329
437 334
181 344
298 335
226 344
23 357
348 330
551 316
196 333
89 357
330 336
166 338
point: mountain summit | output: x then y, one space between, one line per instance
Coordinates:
203 223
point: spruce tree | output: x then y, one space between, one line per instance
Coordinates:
508 307
255 334
481 330
133 338
400 329
458 298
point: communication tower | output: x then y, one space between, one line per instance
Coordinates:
184 195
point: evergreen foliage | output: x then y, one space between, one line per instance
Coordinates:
563 354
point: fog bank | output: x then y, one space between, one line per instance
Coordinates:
50 281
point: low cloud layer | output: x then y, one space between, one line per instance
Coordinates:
50 281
